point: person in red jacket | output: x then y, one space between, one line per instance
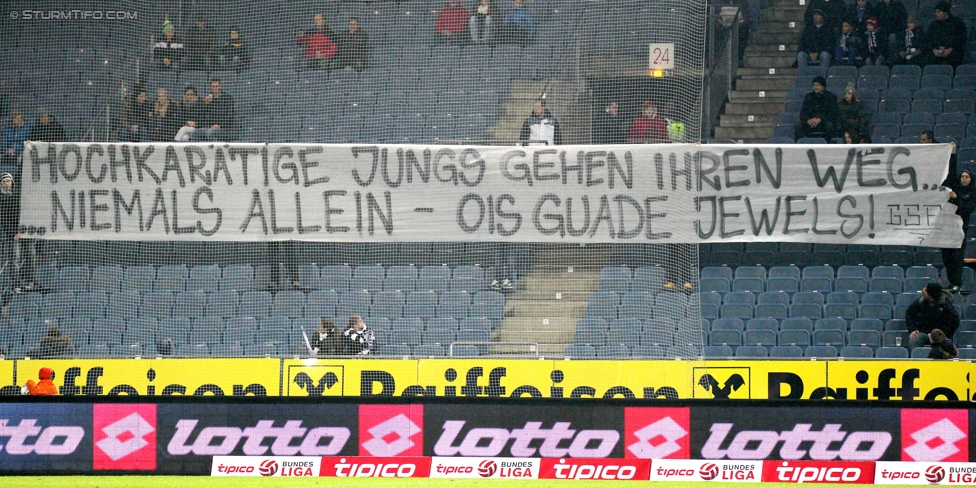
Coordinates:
451 23
45 387
319 47
648 127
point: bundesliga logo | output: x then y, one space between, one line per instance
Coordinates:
487 468
268 468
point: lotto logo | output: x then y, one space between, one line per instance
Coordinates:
124 437
391 430
657 433
935 435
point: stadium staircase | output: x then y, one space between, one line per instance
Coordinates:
535 314
759 92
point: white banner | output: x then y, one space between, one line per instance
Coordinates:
677 193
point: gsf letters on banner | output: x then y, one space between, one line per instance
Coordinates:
676 193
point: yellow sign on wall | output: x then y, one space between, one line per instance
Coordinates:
152 377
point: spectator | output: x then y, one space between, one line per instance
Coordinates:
359 338
875 44
933 310
201 46
892 16
168 51
16 253
518 27
164 120
852 137
53 346
451 22
818 115
319 48
235 55
648 127
13 138
283 255
962 194
47 129
221 114
852 114
942 347
480 21
911 43
327 341
136 119
609 127
947 37
866 140
191 114
816 42
833 12
928 137
352 47
858 13
45 387
848 45
541 128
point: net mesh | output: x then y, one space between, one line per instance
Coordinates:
412 72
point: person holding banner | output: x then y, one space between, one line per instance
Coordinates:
818 115
928 137
962 194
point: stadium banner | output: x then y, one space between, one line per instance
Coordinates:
153 377
716 379
680 470
281 466
877 194
190 435
908 473
594 469
842 472
376 467
44 437
485 467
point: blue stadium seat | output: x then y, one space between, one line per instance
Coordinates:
190 304
786 351
176 329
580 351
719 351
255 304
820 351
891 353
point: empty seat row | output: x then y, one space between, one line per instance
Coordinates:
258 304
824 351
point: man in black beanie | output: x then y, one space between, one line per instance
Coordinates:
818 115
947 37
931 311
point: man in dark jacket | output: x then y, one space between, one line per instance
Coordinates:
833 12
201 46
818 115
169 50
947 37
858 13
608 128
13 251
47 129
816 42
892 16
352 47
221 114
931 311
912 43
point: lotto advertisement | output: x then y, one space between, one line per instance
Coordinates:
798 442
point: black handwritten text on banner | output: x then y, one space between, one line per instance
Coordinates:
654 194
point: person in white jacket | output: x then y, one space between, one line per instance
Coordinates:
541 128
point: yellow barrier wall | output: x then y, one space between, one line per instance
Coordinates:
760 380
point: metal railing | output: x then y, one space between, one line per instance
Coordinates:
722 55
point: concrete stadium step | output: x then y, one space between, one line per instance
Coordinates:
753 108
737 133
781 49
775 37
758 96
770 61
784 13
763 73
785 3
766 84
757 120
552 337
